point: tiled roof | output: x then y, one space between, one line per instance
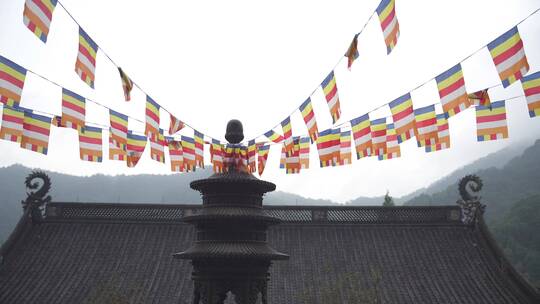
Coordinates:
81 252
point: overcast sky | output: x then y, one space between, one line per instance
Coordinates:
211 61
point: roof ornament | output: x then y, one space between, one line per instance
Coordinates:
470 204
38 185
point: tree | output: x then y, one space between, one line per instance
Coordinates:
388 200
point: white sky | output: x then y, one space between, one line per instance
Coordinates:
211 61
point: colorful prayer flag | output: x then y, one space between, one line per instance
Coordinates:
531 87
304 152
216 156
176 125
443 135
157 148
451 85
12 124
252 156
85 66
352 52
389 23
361 129
292 159
262 157
119 129
127 84
480 98
12 78
36 130
188 149
273 136
328 145
378 136
345 148
152 118
283 157
287 134
175 154
37 17
90 144
403 115
491 123
332 98
426 126
392 145
509 57
116 153
199 148
73 110
309 118
135 148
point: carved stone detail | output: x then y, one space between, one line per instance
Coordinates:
38 185
470 204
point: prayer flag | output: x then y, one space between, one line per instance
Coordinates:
309 118
119 129
199 148
188 149
389 23
273 136
491 123
403 115
127 84
287 134
451 85
85 66
292 159
352 52
531 87
304 152
392 145
480 98
345 148
262 157
115 153
157 148
361 129
12 78
36 130
152 118
426 126
252 156
332 98
216 156
378 136
176 125
328 145
135 148
175 154
443 135
282 157
37 17
90 144
509 57
12 124
73 110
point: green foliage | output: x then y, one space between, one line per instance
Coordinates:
388 200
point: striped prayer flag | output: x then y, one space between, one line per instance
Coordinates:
135 148
85 66
90 144
252 156
403 115
332 98
352 52
157 148
509 57
292 160
345 157
304 152
328 145
283 157
12 78
480 98
361 129
175 154
531 87
119 129
199 148
451 85
309 118
287 134
392 145
426 126
242 162
127 84
37 17
152 118
73 110
262 157
216 156
443 135
273 136
36 130
491 123
389 23
176 125
188 149
115 153
378 136
12 124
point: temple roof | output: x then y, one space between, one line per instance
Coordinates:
84 253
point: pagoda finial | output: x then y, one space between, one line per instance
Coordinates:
235 131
